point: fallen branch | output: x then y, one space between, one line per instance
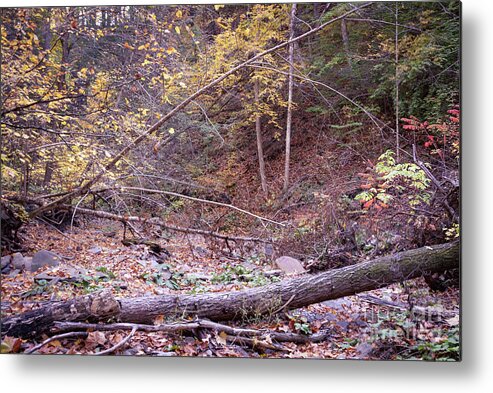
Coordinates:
227 205
54 338
118 345
427 313
255 343
158 222
190 326
304 290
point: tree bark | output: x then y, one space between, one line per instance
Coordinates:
268 300
345 42
397 135
290 100
258 133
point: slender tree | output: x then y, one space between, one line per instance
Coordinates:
397 135
290 99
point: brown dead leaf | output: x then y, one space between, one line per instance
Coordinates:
159 320
94 339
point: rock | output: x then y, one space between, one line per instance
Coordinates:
200 251
95 250
45 276
44 258
290 265
155 264
269 250
28 262
337 304
198 276
101 275
6 267
14 273
130 352
120 285
18 261
163 354
143 262
64 274
344 325
5 261
363 350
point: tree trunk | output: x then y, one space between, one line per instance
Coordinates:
258 132
12 217
290 100
65 41
268 300
49 168
397 135
345 42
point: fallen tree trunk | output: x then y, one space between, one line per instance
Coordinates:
268 300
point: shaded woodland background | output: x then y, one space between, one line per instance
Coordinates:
372 110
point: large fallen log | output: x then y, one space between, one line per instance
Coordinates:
288 294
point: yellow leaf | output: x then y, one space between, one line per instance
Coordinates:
221 338
217 7
179 14
171 131
56 343
177 29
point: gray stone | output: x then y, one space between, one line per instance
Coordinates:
269 250
130 352
63 274
28 262
44 258
49 279
120 285
200 251
164 354
290 265
337 304
14 273
363 350
18 261
6 269
5 261
95 250
344 325
155 264
101 275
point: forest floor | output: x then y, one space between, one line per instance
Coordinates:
374 325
